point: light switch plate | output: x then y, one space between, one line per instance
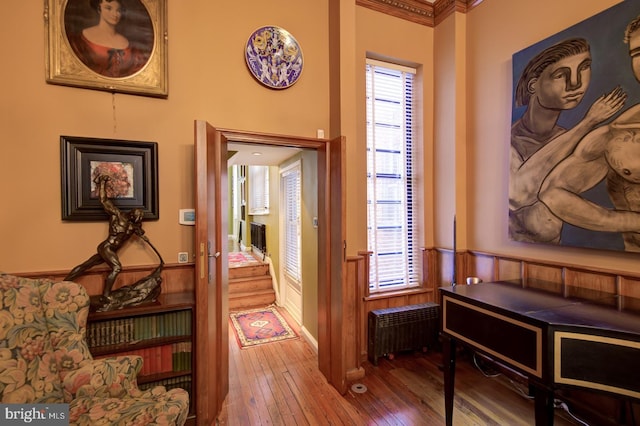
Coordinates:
187 217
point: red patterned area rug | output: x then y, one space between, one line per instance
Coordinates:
241 258
257 326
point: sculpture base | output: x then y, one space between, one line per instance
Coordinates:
145 290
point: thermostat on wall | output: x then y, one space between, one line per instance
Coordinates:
187 217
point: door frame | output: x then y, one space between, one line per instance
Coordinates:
331 258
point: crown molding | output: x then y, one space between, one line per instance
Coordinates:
416 11
420 11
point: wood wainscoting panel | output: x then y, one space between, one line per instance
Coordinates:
417 298
543 277
565 279
508 269
481 266
443 275
590 285
630 294
176 277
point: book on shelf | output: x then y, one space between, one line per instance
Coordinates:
166 363
110 332
134 329
168 358
183 382
182 356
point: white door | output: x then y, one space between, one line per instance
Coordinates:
291 265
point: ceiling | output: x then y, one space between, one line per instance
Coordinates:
258 155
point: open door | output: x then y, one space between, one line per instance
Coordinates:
211 280
332 329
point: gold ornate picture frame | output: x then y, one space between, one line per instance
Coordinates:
80 53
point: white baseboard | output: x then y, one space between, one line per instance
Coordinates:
310 339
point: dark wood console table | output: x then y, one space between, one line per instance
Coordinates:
554 341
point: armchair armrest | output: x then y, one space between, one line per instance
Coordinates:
113 377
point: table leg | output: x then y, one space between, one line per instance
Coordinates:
449 369
544 409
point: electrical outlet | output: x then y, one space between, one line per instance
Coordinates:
183 257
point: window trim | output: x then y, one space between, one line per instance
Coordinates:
391 65
258 190
414 274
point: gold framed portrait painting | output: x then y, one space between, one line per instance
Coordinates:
111 45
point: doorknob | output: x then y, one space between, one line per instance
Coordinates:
216 255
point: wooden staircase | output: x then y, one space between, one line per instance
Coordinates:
250 286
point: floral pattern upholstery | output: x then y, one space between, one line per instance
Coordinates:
44 358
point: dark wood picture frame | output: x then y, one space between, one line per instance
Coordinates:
81 157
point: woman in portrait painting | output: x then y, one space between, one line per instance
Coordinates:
103 46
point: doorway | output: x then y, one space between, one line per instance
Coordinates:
211 266
265 193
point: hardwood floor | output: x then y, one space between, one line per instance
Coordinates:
280 384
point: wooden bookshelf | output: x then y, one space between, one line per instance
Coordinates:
161 332
116 349
165 303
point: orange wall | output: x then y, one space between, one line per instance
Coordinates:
445 172
466 112
208 79
386 37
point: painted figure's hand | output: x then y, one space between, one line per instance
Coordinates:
606 106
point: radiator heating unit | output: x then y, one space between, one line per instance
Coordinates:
393 330
259 236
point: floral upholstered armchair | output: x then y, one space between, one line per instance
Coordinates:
44 359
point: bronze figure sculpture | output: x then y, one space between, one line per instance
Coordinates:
122 226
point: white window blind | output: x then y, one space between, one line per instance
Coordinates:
258 190
290 178
391 203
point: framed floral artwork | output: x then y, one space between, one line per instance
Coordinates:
132 169
112 45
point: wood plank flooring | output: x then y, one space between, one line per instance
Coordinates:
280 384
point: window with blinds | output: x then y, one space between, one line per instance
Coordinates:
258 190
290 178
391 199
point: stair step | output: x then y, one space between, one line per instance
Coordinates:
249 271
250 284
251 299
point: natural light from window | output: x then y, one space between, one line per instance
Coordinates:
391 190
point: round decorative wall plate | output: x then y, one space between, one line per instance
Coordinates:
274 57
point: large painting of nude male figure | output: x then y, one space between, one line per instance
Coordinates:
575 138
